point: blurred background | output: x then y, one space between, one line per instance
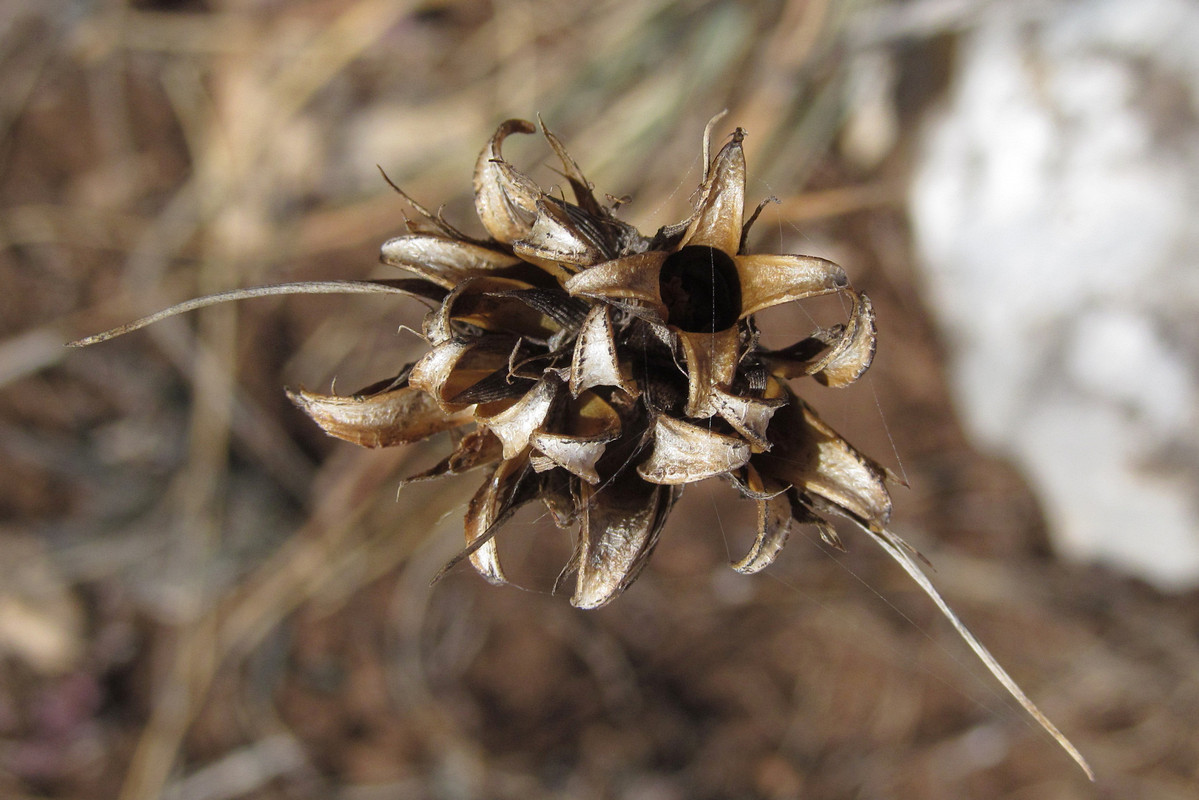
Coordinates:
203 598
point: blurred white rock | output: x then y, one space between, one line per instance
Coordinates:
1055 205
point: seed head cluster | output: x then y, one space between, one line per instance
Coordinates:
598 371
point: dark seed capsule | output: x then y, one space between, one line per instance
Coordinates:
700 288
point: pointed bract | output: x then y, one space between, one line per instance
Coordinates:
495 500
396 417
854 351
810 456
686 453
749 416
443 375
722 202
446 262
578 183
633 277
774 523
595 361
711 360
505 200
556 244
770 280
517 423
621 523
573 454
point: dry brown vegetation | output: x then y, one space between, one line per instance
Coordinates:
203 597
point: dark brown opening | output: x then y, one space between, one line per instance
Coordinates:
700 288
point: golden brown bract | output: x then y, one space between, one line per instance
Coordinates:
603 370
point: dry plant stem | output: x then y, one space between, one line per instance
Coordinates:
175 704
305 287
899 550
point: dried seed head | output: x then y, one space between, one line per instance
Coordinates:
600 371
612 363
627 367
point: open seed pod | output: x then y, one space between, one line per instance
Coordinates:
619 366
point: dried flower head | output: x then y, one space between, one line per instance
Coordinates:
599 371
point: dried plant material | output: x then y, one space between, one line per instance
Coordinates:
901 552
491 505
632 277
620 527
445 262
808 453
41 624
412 288
505 200
378 420
603 371
477 448
770 280
749 416
517 423
774 522
686 453
711 363
596 361
853 352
